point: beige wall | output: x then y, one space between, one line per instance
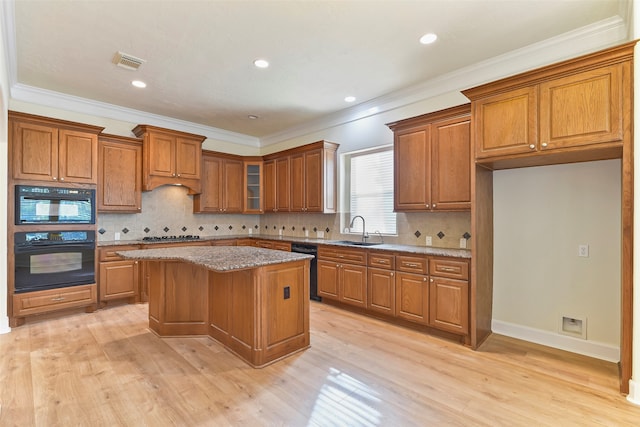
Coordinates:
541 216
4 100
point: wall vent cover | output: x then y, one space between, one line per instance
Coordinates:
127 61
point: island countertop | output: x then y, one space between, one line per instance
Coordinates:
217 258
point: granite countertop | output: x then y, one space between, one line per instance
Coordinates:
217 258
419 250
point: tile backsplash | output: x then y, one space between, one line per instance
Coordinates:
168 211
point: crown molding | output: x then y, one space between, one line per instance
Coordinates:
76 104
596 36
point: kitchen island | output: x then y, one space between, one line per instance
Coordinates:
254 301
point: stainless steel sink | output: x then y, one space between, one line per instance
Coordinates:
350 242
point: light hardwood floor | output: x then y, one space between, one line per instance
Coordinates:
107 369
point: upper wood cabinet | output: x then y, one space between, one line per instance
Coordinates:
253 187
170 157
433 161
577 110
119 174
222 183
44 149
277 185
312 179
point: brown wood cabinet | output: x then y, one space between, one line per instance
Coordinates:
222 178
277 185
170 157
559 114
310 171
433 161
119 174
272 244
381 279
449 295
50 150
412 288
40 302
342 275
117 277
253 187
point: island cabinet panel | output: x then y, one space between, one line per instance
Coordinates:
174 307
286 311
244 294
220 306
51 150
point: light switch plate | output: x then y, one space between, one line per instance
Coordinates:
463 243
116 236
320 234
428 241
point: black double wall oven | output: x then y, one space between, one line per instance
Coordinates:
54 256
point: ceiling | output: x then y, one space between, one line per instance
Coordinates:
199 54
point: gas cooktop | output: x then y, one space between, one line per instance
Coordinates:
171 238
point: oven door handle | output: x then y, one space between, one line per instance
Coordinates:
38 247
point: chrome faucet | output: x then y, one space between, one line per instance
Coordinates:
364 228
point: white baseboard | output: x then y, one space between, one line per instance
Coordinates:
634 392
594 349
4 325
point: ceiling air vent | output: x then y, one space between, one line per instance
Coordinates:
127 61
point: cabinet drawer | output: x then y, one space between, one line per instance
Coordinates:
382 260
412 264
351 256
282 246
54 299
451 268
109 254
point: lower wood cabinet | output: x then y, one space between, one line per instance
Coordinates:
54 299
271 244
449 305
118 278
412 297
342 275
381 283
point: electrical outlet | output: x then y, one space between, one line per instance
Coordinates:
287 292
250 230
463 243
428 241
320 234
280 232
583 251
306 233
116 236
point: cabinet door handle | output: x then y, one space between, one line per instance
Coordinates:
434 205
424 279
178 175
447 269
57 299
532 146
410 264
62 179
382 261
391 275
544 145
431 280
427 205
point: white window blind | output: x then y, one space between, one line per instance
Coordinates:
371 193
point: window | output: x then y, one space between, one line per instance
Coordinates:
369 190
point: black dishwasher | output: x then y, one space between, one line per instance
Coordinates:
313 273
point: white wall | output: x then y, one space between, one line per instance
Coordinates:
4 101
541 215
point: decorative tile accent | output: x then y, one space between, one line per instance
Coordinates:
283 227
231 227
184 228
327 229
304 228
216 228
466 235
166 229
256 226
244 227
274 227
315 229
440 234
201 228
102 231
147 229
125 230
417 233
293 228
266 227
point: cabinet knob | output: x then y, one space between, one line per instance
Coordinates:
55 178
424 279
532 146
427 205
392 274
434 205
62 179
544 144
431 280
178 175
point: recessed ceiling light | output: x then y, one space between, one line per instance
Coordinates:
261 63
252 116
349 99
139 83
428 38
